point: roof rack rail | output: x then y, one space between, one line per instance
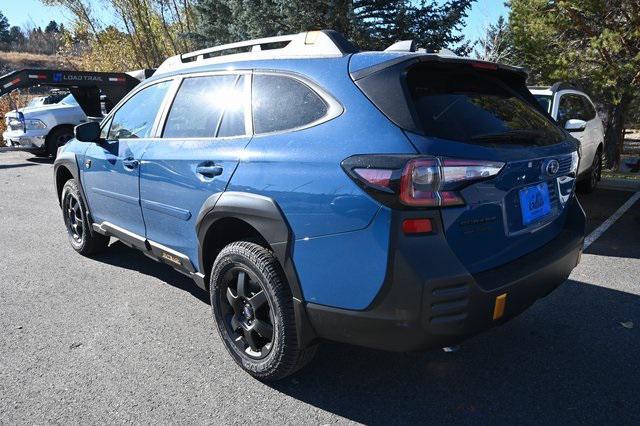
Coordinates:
402 46
306 44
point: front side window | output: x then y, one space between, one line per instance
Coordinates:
472 106
205 104
135 118
571 107
284 103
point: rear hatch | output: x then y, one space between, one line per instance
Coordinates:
462 113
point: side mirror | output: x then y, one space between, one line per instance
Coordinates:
575 125
87 132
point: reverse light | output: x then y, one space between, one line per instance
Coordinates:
433 182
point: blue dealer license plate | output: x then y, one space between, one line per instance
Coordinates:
534 203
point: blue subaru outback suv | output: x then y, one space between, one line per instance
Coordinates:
397 200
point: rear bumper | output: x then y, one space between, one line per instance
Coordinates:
434 302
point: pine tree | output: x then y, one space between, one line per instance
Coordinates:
496 44
4 29
371 24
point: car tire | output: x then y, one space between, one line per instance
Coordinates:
57 138
590 182
81 235
253 308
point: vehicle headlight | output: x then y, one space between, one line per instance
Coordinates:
34 124
575 158
14 122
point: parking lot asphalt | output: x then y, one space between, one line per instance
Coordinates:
120 338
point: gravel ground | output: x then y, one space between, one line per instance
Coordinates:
120 338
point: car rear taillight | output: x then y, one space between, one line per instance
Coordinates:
411 181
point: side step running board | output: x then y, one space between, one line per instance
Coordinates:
179 261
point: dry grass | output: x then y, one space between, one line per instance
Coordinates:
11 61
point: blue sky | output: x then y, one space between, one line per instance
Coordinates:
32 12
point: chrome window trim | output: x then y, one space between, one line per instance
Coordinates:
334 108
180 78
109 117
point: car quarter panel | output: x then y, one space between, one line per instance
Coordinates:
325 209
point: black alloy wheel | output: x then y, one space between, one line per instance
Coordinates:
73 217
247 312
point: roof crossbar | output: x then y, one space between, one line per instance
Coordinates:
307 44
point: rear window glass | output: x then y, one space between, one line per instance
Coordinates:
282 103
471 106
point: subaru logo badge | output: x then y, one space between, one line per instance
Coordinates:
552 167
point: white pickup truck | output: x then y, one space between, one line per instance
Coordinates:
43 128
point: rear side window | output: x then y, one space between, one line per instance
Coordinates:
134 119
472 106
203 104
283 103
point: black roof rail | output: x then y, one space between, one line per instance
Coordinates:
564 85
84 85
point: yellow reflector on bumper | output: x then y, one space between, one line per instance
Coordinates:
498 309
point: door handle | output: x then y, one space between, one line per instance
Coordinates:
130 163
209 171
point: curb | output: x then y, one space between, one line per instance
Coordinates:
620 184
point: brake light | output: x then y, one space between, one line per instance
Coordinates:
484 66
418 181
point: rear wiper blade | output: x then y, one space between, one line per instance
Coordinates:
512 135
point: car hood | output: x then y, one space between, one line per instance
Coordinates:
32 112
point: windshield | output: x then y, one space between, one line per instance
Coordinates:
544 101
69 100
466 105
35 102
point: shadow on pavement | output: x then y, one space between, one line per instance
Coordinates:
572 357
122 256
15 166
567 359
40 160
622 239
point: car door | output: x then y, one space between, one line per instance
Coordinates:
110 171
571 106
205 129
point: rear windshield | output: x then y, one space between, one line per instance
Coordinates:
472 106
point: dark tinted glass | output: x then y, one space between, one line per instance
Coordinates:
544 101
199 105
472 106
135 118
281 103
590 111
572 107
